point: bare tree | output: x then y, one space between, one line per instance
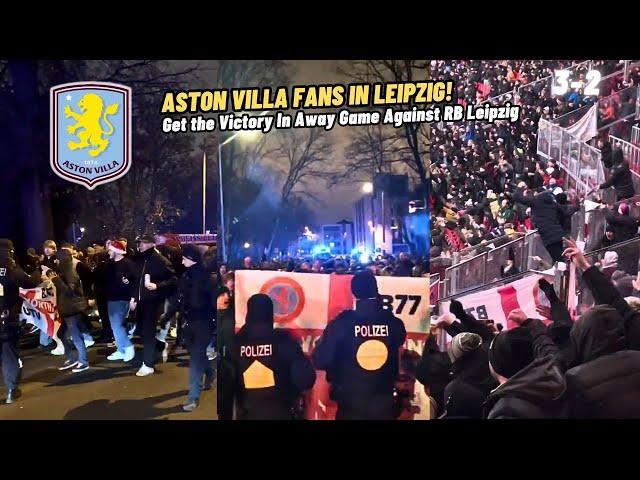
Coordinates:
384 146
302 156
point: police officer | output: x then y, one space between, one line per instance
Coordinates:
196 300
12 277
359 350
272 369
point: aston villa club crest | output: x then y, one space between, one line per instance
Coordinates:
90 132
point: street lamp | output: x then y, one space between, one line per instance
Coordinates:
367 187
246 134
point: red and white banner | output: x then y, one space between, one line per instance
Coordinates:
496 303
304 303
40 308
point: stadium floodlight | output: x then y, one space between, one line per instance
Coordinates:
367 187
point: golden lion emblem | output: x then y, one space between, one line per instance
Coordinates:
91 108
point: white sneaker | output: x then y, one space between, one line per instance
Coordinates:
117 355
59 350
88 343
144 371
129 353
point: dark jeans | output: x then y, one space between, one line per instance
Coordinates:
225 388
147 316
197 335
103 311
555 250
9 357
72 336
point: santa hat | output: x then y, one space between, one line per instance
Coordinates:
118 247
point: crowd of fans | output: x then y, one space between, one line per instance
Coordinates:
402 265
553 369
109 293
480 171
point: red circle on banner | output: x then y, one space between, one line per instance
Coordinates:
288 298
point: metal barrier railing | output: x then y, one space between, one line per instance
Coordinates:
596 220
470 252
580 160
626 262
485 267
635 133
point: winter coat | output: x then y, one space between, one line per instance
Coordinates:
605 383
337 352
545 213
536 391
625 226
620 179
196 294
69 294
272 369
161 273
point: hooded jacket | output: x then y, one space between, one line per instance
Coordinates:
69 293
545 213
606 381
272 369
536 391
196 294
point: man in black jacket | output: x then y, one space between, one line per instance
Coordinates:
359 351
625 228
523 361
12 278
272 368
604 381
72 304
546 215
620 177
155 278
196 300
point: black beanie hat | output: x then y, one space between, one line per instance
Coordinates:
222 291
259 309
511 351
364 285
192 253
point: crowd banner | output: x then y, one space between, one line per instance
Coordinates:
496 303
587 127
39 308
304 303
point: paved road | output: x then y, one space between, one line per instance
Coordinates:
107 391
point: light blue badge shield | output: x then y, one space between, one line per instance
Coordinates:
90 132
